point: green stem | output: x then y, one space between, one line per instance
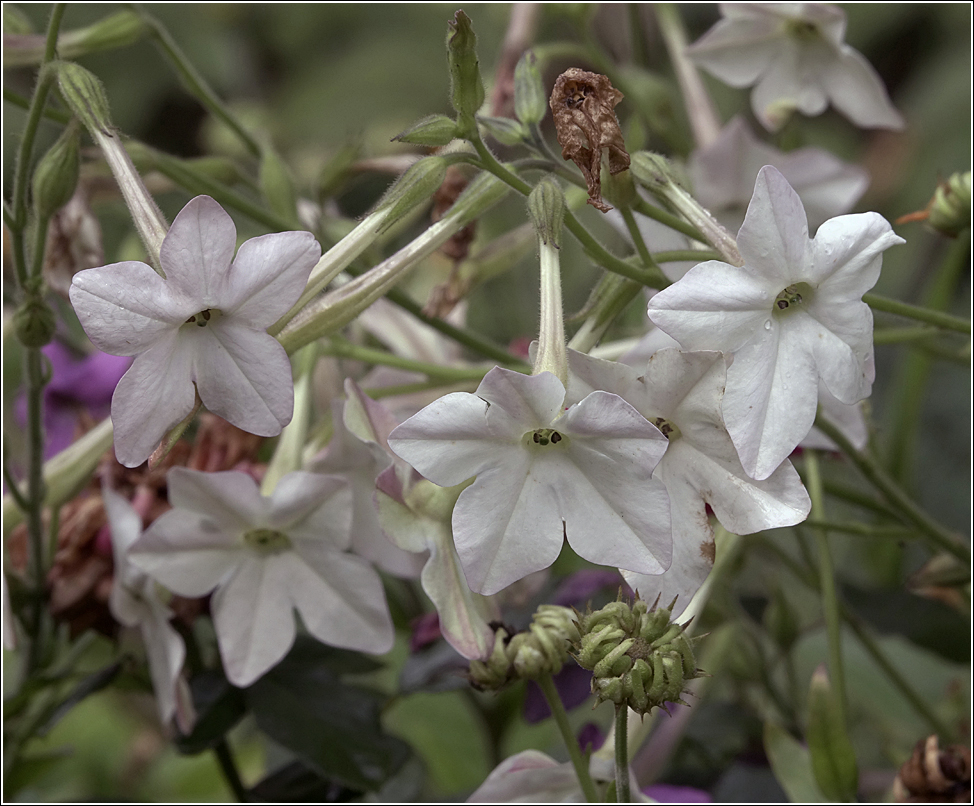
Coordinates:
340 348
623 795
547 686
897 335
857 498
228 767
938 318
637 238
668 219
939 535
830 597
196 84
16 99
684 255
863 529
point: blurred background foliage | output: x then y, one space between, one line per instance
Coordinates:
322 79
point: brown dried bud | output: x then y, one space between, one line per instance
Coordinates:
454 183
932 775
583 105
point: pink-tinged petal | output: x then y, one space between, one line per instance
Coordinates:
769 404
188 553
196 253
847 254
774 236
230 498
340 599
715 306
152 397
253 617
857 92
530 776
365 418
268 275
243 376
125 308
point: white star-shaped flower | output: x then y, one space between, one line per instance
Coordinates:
542 475
796 56
681 393
266 557
201 328
134 602
792 315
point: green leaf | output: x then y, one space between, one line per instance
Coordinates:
89 685
792 765
334 727
832 755
298 783
219 706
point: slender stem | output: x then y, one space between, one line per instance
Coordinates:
547 686
830 597
196 84
896 335
938 318
684 255
863 529
340 348
623 795
640 205
857 498
637 237
228 767
16 99
894 494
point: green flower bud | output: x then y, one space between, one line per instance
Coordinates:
780 621
530 98
415 187
659 176
115 31
467 88
56 175
637 655
494 673
34 321
277 185
15 22
84 95
433 130
504 130
546 204
950 209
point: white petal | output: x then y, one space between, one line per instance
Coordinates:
153 396
857 92
738 51
245 377
165 653
312 506
268 275
788 83
196 253
125 308
774 236
846 255
229 498
253 617
846 369
533 401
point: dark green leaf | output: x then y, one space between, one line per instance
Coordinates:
219 706
298 783
89 685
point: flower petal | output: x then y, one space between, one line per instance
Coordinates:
847 254
243 376
312 506
774 236
125 308
230 498
196 253
165 652
857 92
152 397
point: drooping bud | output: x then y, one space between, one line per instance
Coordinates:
56 175
583 105
546 204
530 104
84 94
466 86
950 209
637 656
504 130
658 175
433 130
277 184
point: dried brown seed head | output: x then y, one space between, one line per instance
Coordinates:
583 105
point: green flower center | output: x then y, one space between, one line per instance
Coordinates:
667 428
203 318
545 437
267 541
802 31
792 297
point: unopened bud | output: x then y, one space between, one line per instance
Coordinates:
84 95
115 31
34 321
661 178
547 207
530 99
467 88
950 209
504 130
15 22
434 130
415 187
277 185
56 175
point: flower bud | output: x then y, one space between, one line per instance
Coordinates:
433 130
546 204
530 101
494 673
34 321
467 88
114 31
84 95
659 176
415 187
15 22
504 130
277 185
56 175
950 209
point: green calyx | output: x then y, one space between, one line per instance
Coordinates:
467 88
267 541
637 655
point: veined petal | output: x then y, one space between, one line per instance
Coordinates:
737 51
165 652
532 401
857 92
845 369
253 617
774 236
243 376
125 308
196 253
715 306
229 498
153 396
312 506
847 254
268 275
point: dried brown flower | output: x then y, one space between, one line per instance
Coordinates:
583 105
932 775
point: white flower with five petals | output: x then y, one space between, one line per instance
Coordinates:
266 557
791 316
542 475
796 56
201 328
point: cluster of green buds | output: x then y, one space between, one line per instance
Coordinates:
527 655
638 656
